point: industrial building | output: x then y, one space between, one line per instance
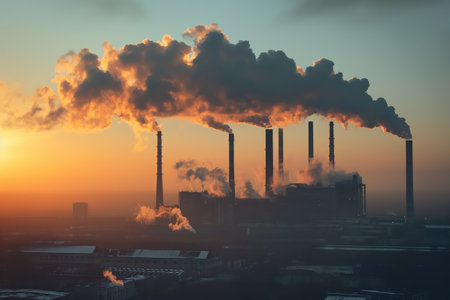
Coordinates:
300 203
61 254
77 260
188 263
80 210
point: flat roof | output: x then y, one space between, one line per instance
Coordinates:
60 249
172 254
31 294
330 269
445 227
382 248
337 297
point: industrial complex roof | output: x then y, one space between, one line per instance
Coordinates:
30 294
145 253
60 249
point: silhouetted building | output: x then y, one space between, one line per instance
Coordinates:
202 208
80 210
193 263
302 203
343 199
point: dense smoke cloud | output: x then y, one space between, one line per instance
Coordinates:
212 83
213 180
148 215
317 174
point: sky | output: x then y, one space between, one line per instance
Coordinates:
401 47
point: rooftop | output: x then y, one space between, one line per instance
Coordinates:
60 249
145 253
30 294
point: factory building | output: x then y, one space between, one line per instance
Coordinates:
68 255
192 263
64 260
202 208
302 202
80 211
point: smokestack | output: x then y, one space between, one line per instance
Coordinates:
409 183
269 162
159 183
310 142
280 154
331 153
231 166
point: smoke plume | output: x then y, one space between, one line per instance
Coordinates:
249 191
108 274
41 111
148 215
213 82
213 180
317 174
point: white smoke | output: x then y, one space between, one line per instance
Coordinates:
317 174
213 180
148 215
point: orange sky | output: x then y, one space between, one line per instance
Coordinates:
47 171
44 172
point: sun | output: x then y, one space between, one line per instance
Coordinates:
6 143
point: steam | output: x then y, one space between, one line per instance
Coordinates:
148 215
108 274
317 174
41 112
213 180
249 191
213 82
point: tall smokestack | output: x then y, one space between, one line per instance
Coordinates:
269 162
310 141
159 183
409 182
280 154
331 153
231 166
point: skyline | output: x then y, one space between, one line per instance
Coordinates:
54 161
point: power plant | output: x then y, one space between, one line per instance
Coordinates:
298 203
313 236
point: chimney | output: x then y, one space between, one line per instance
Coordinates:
159 183
331 152
269 162
231 166
310 142
280 154
409 182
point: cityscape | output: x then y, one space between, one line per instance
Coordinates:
209 167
